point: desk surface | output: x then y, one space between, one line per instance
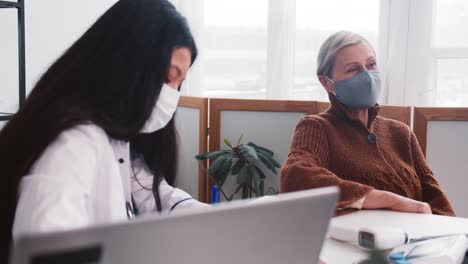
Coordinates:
416 225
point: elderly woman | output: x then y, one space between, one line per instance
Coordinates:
376 162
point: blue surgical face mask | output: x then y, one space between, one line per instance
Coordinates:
360 91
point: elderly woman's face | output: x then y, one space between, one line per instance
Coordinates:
351 61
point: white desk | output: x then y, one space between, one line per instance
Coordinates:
416 225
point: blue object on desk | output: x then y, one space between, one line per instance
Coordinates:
214 194
397 256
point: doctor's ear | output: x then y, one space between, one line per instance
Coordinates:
327 84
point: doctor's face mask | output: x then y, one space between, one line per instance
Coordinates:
163 110
168 99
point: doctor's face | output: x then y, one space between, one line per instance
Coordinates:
181 59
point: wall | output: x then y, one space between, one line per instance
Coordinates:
51 27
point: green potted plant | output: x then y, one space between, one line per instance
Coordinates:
244 162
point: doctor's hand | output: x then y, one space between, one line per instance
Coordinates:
377 199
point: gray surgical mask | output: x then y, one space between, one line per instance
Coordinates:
360 91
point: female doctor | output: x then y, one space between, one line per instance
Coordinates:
95 141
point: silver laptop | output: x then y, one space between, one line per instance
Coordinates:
289 229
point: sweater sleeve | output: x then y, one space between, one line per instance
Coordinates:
432 192
308 162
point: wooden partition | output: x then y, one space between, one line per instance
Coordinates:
423 115
443 136
192 123
265 122
400 113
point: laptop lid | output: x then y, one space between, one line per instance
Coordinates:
289 229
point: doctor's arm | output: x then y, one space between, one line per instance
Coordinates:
171 198
54 196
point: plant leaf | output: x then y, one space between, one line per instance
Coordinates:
210 155
256 179
267 162
240 139
260 172
218 163
227 142
223 172
262 187
251 152
263 149
243 175
202 156
237 166
215 154
273 161
267 153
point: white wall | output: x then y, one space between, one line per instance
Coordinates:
51 27
447 145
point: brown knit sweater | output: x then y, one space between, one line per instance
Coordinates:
334 148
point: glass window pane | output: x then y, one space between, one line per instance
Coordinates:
452 82
451 23
315 21
9 60
233 48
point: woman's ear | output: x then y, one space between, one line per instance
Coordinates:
327 84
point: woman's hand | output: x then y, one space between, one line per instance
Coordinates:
386 200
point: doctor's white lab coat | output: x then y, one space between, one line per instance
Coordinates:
85 178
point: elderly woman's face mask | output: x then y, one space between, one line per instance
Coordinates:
360 91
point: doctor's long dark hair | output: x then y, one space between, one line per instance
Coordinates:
112 77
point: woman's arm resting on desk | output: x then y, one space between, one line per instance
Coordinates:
377 199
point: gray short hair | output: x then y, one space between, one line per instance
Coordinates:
333 44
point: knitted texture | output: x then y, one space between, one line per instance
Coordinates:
334 149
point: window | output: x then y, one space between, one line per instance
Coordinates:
450 24
450 52
452 82
268 48
249 48
233 48
315 21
